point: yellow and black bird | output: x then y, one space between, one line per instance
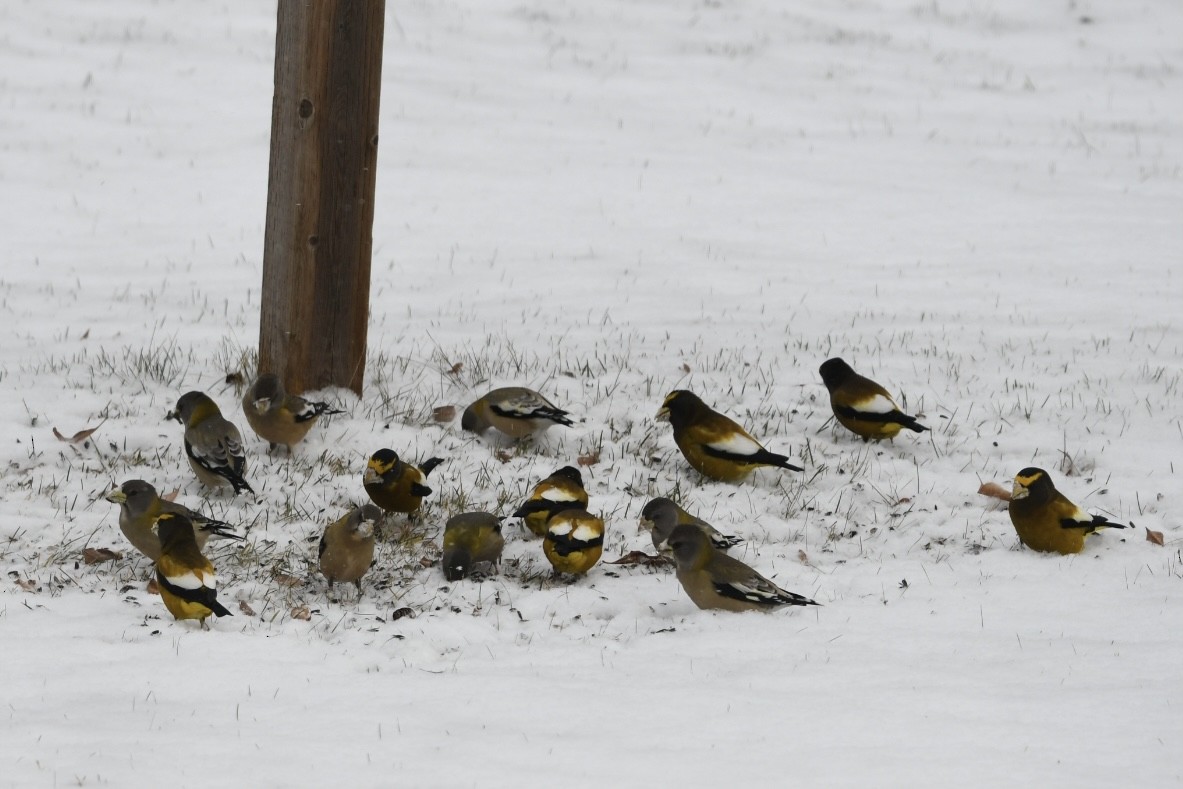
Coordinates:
1046 520
396 486
863 406
212 444
560 491
279 417
139 507
347 546
712 443
661 515
472 545
187 582
574 541
513 410
714 580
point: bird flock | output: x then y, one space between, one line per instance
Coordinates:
718 448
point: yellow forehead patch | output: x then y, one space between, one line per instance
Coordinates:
1028 481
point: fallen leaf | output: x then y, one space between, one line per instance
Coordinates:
153 587
590 459
400 613
802 557
1154 537
444 413
456 368
234 378
685 368
641 558
426 561
994 491
85 334
26 584
246 609
904 500
301 612
172 495
81 435
283 579
503 456
97 555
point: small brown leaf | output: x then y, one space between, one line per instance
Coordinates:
802 557
904 500
443 413
26 584
85 334
399 613
426 561
503 456
171 495
80 436
1154 537
301 612
994 491
641 558
246 609
97 555
283 579
234 378
590 459
456 368
153 587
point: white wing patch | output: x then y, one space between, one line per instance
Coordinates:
585 533
876 404
193 581
1080 516
736 444
555 494
560 528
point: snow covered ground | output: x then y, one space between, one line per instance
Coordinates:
980 204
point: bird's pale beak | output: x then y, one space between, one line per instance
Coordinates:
371 476
1019 492
662 415
262 404
116 496
644 524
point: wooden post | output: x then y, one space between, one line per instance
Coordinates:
320 192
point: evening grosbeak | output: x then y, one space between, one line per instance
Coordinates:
560 491
396 486
515 411
212 444
661 515
139 507
1046 520
574 541
713 444
863 406
715 580
187 582
472 545
347 546
278 417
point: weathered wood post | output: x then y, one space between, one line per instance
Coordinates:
320 192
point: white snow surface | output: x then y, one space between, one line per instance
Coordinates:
977 204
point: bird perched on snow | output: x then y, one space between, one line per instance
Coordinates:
188 584
213 444
472 544
347 546
863 406
1046 520
560 491
661 515
515 411
716 580
396 486
139 507
279 417
574 541
713 444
